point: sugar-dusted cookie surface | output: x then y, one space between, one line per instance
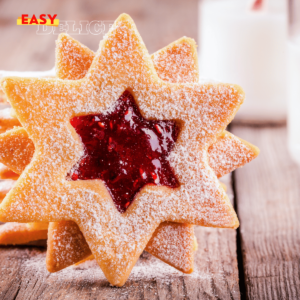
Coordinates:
173 243
229 153
16 149
2 96
20 233
72 62
5 187
44 108
175 63
7 173
182 52
7 121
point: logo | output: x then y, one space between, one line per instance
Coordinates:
73 27
51 21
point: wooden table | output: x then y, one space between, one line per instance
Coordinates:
258 261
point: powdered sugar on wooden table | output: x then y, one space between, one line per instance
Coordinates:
147 268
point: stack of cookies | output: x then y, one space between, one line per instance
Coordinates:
118 154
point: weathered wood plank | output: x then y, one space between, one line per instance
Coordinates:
24 276
268 199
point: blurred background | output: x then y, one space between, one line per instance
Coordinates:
159 23
253 43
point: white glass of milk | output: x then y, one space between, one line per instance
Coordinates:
294 80
244 42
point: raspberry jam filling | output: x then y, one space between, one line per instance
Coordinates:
125 150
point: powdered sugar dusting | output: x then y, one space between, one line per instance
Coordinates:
177 62
19 233
6 173
72 58
175 243
66 245
5 187
229 153
49 73
16 149
2 96
6 120
43 194
147 268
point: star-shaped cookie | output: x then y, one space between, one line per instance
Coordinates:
175 63
181 238
45 107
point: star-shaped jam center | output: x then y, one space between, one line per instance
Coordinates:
125 150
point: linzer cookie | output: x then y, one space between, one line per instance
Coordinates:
177 60
175 63
46 191
185 245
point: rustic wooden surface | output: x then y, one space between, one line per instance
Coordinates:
267 196
24 276
268 200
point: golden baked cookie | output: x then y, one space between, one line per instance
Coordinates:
2 97
172 243
20 233
16 149
6 120
5 187
7 173
176 62
45 107
78 54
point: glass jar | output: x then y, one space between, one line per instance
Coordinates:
293 82
246 46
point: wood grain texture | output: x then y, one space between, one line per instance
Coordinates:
268 197
24 276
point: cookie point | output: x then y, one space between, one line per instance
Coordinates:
117 282
190 271
2 214
236 223
124 17
240 90
236 91
3 82
188 40
254 150
7 82
51 268
63 35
